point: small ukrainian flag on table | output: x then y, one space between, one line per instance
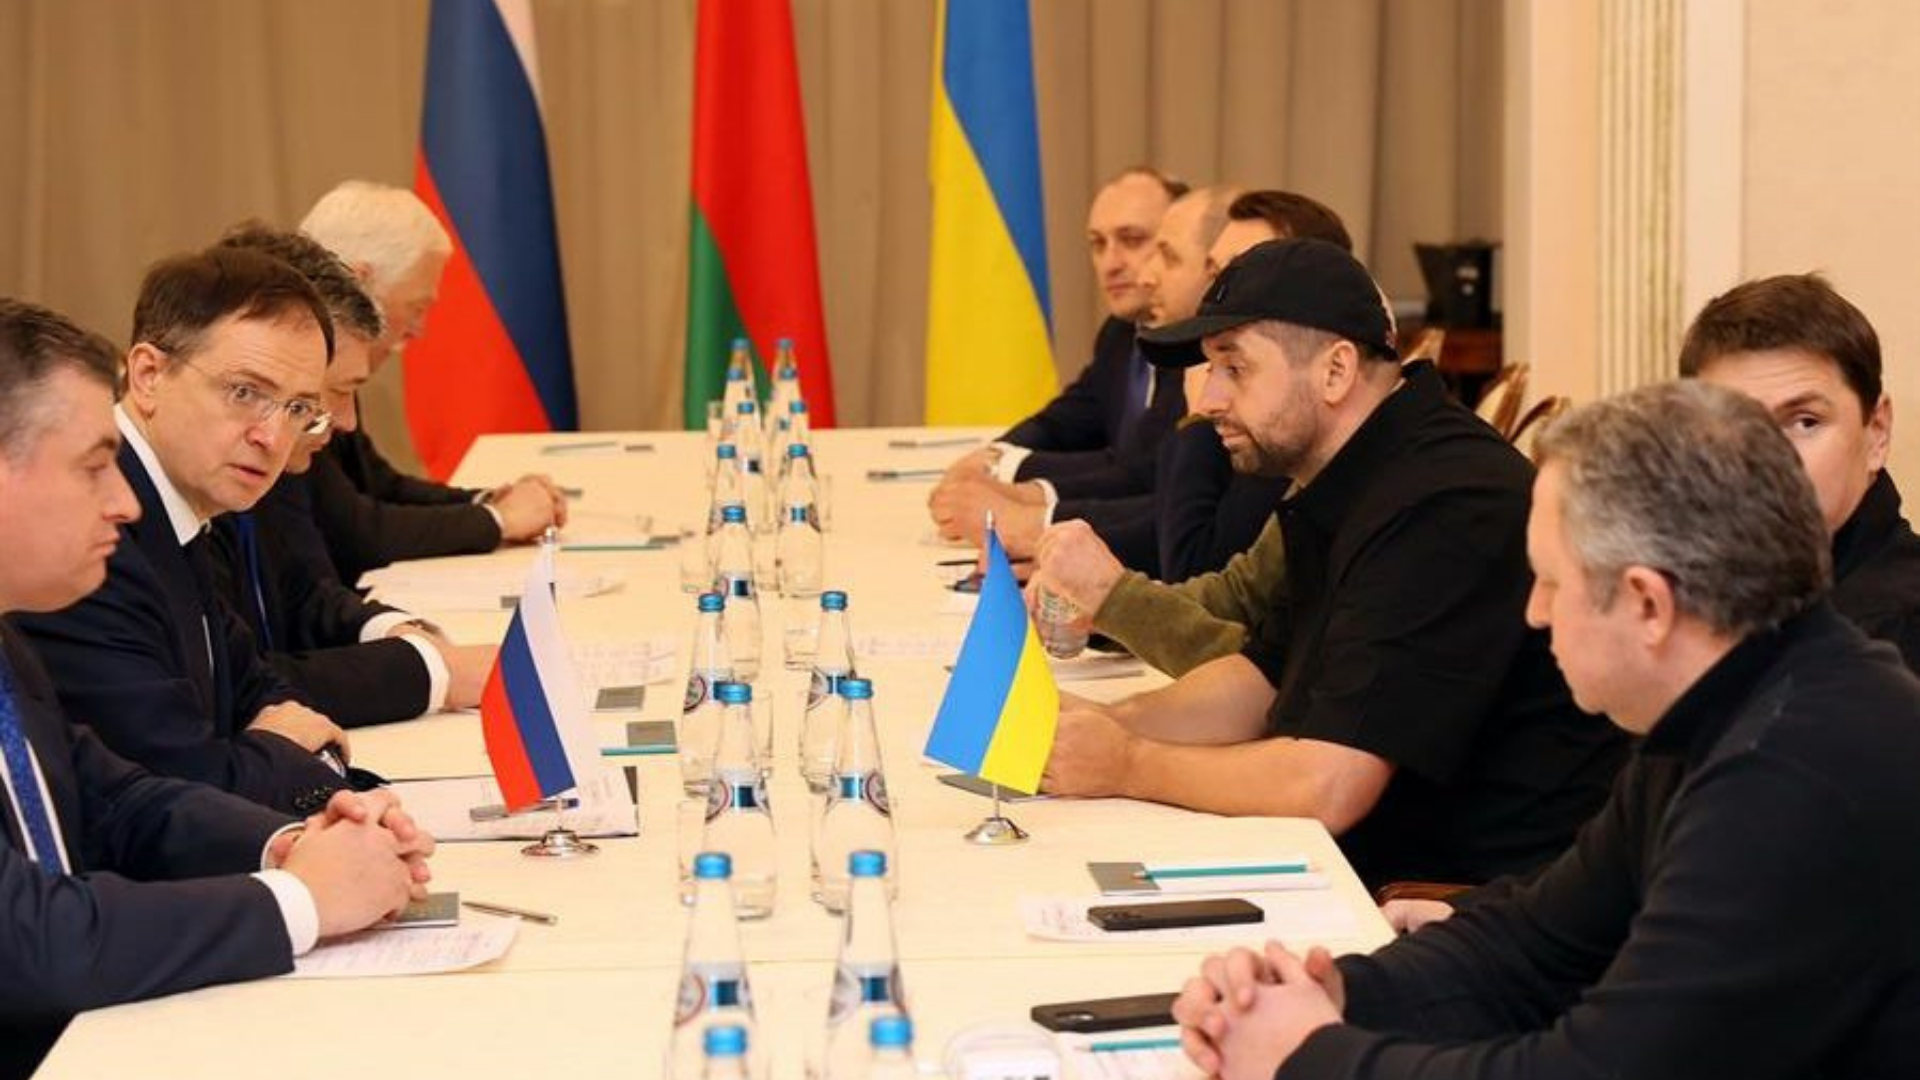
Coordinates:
998 717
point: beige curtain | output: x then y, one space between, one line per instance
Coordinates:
135 128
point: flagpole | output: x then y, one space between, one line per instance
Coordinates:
558 842
997 830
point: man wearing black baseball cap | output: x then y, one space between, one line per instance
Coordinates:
1395 692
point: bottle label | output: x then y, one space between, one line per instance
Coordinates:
870 786
745 796
852 990
696 692
804 515
824 685
698 995
736 585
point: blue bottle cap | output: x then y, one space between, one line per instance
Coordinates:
726 451
733 693
797 405
733 512
833 600
784 343
867 864
856 689
742 343
796 450
713 866
894 1032
712 601
743 408
724 1040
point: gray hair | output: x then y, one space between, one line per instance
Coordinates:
349 305
1695 482
386 228
35 343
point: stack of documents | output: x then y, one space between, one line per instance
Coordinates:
448 585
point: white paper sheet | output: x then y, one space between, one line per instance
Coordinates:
1158 1063
392 951
1089 666
440 807
1304 915
450 585
931 645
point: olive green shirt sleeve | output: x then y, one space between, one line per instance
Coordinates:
1176 628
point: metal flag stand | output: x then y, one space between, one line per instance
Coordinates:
559 842
997 830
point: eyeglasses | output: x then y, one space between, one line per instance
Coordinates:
248 402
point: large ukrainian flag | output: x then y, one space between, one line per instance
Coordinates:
989 356
1001 708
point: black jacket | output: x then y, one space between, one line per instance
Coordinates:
1081 441
1742 907
1876 570
306 622
131 661
372 514
123 925
1203 512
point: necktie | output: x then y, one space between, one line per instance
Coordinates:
36 821
244 528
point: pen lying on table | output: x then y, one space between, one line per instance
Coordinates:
522 914
905 474
930 443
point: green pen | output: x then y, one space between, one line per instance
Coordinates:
1116 1046
1246 870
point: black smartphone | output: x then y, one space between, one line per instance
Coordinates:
1117 918
1105 1014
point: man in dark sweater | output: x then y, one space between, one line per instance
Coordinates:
1394 692
1742 905
1800 349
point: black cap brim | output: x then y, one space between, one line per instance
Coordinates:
1177 345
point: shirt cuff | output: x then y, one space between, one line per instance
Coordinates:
438 677
382 624
1053 501
498 521
297 909
1008 463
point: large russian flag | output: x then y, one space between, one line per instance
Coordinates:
1001 708
538 734
989 353
754 269
495 355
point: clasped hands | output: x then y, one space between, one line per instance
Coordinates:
1247 1012
362 857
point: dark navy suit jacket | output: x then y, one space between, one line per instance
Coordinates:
373 514
1081 442
307 622
126 924
131 661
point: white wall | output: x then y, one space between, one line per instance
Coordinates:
1833 172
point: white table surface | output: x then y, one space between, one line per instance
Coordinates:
592 996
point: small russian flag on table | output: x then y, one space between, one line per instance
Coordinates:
538 734
998 717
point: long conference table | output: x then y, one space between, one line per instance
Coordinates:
592 996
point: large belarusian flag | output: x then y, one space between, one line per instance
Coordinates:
754 269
